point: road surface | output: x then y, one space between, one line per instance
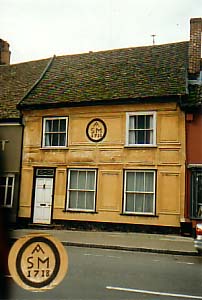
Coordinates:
99 274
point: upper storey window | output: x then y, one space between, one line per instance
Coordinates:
141 129
55 132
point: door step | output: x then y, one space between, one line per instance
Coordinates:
45 226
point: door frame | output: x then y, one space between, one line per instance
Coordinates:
34 189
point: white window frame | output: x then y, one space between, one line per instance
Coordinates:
7 176
44 132
142 113
68 190
137 192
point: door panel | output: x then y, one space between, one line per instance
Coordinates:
43 200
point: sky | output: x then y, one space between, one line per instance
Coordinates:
37 29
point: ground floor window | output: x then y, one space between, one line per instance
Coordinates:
81 190
196 193
139 192
7 190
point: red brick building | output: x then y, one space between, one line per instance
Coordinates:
193 117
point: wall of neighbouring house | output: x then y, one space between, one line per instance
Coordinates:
110 157
10 153
194 138
194 151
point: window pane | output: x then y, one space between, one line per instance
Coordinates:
149 137
90 180
10 181
47 139
130 202
55 125
62 139
140 139
149 182
73 199
130 181
9 196
148 203
81 200
73 180
149 122
2 195
2 180
55 140
82 180
132 122
139 202
62 125
90 200
139 182
198 194
140 122
132 137
199 184
48 125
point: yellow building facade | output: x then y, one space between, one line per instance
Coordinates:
120 164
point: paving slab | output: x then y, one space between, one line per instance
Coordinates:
131 241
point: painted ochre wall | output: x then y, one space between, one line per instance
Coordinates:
110 157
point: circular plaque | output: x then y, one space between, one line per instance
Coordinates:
96 130
38 262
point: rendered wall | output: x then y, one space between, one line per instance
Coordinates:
111 157
10 159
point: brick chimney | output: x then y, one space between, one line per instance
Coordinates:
4 53
195 47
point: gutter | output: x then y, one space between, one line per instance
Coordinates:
83 103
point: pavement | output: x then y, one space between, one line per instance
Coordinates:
128 241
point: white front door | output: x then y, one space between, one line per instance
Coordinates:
43 200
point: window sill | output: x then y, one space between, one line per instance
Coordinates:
139 215
79 211
196 218
140 146
54 148
6 206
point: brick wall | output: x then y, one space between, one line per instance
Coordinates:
195 46
4 53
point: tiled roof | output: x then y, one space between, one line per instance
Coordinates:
114 75
15 81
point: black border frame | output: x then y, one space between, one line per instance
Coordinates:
57 262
